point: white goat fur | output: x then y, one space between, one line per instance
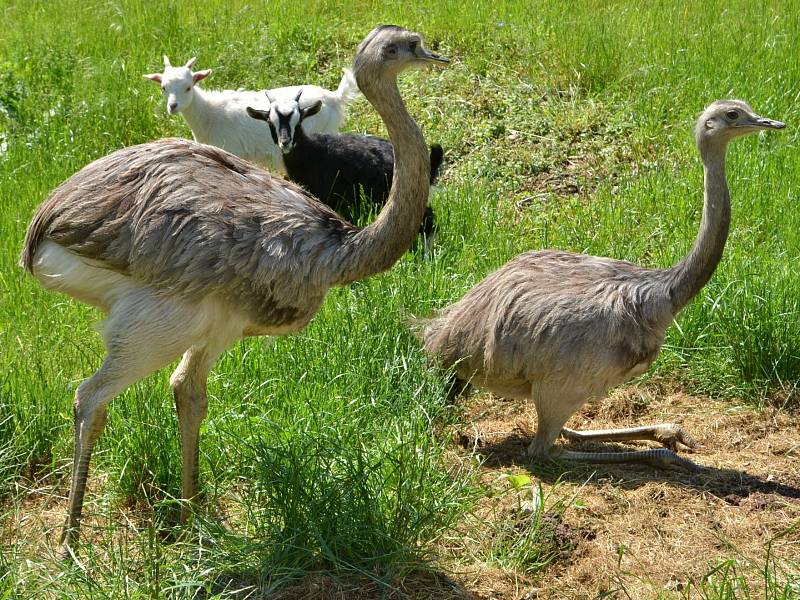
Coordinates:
219 118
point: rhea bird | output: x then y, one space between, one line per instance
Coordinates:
188 248
560 328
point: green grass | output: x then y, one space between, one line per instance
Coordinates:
747 573
563 126
527 539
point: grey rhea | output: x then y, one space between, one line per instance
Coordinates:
189 248
562 328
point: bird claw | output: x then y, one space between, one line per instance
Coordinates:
667 459
671 435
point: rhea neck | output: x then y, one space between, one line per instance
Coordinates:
377 247
690 275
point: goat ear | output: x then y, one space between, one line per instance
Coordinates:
153 77
191 62
261 115
309 111
200 75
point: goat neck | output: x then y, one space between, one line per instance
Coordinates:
198 115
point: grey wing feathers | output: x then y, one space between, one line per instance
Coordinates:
186 216
539 307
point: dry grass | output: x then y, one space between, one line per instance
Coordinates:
638 532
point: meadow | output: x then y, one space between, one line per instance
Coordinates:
331 464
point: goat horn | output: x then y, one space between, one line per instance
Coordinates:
269 97
166 61
300 93
190 64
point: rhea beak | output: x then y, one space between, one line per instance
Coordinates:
757 122
426 55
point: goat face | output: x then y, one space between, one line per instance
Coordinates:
177 84
284 117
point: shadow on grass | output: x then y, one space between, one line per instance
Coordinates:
730 485
429 585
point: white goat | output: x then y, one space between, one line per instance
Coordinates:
219 118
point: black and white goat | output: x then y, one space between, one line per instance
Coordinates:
348 172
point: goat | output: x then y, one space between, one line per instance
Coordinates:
218 117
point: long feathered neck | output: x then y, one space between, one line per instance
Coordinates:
377 247
688 277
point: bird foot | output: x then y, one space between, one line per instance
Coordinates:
667 459
660 458
68 556
671 435
536 453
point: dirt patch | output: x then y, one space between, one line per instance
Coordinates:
37 519
642 532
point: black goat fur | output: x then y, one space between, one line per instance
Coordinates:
351 173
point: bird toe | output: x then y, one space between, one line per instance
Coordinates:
673 436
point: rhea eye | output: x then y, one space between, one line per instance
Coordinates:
732 115
391 49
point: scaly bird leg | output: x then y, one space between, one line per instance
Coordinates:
658 457
188 383
90 409
90 418
667 434
552 415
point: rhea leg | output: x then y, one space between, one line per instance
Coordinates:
657 457
555 406
188 383
90 405
142 334
90 409
667 434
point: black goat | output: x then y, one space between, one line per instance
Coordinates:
350 173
